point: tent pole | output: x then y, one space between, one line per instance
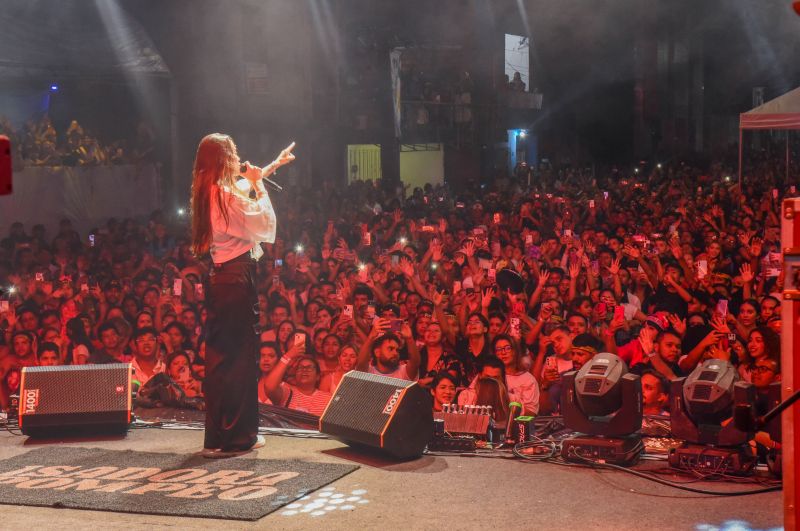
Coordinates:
740 160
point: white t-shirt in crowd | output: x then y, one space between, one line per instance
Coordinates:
524 389
630 311
400 372
634 300
141 376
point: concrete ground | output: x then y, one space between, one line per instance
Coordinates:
433 492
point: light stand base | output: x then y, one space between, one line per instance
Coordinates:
737 461
623 451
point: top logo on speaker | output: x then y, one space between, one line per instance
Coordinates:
392 402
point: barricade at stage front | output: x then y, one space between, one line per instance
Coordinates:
87 196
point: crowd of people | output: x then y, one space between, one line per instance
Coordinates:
484 294
38 143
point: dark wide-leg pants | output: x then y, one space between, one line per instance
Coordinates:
231 382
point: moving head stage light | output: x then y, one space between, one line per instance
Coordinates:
701 409
603 401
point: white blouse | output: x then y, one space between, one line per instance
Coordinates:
250 222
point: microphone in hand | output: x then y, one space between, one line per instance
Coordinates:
254 173
250 172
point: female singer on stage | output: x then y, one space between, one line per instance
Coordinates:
230 226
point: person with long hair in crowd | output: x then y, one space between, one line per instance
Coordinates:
435 357
230 226
284 335
747 319
489 389
347 356
79 347
328 358
175 338
522 386
762 343
492 392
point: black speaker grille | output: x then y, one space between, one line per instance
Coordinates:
365 406
358 408
74 389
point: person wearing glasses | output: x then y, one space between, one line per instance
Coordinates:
304 394
521 385
764 372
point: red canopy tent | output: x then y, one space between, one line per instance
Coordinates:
781 113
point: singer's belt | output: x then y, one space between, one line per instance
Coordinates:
242 258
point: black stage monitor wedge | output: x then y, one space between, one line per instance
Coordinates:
75 399
390 415
5 165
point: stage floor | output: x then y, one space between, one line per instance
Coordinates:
433 492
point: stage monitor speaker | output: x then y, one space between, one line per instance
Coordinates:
75 399
5 165
390 415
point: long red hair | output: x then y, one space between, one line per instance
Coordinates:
214 168
492 392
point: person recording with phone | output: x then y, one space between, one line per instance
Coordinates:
380 353
230 226
304 394
554 359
